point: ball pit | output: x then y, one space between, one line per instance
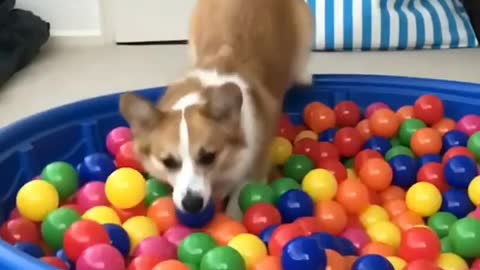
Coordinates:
397 188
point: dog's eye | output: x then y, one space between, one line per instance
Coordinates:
171 163
206 157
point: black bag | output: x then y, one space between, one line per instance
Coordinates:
22 34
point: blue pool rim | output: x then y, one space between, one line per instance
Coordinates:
71 131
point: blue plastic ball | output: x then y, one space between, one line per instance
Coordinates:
457 202
303 253
326 241
295 204
31 249
267 233
63 256
379 144
197 220
119 238
371 262
346 247
95 167
328 135
460 171
454 138
404 171
429 158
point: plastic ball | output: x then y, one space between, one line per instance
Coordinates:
143 263
125 188
373 214
95 167
353 196
433 173
283 185
125 214
82 235
376 174
324 151
378 249
171 265
100 257
298 166
118 238
419 243
454 138
457 202
408 128
372 108
474 190
358 236
363 156
446 246
369 262
395 207
451 261
469 124
126 157
345 247
460 171
60 254
397 262
155 190
408 220
319 117
63 177
199 219
156 246
385 232
424 199
281 150
304 147
295 204
335 167
320 184
261 216
266 234
379 144
303 253
308 225
56 224
426 141
163 213
250 247
139 228
19 230
225 231
429 109
405 112
384 123
347 114
397 151
474 144
55 262
422 265
222 258
90 195
194 247
117 137
429 158
457 151
363 127
305 134
177 234
464 237
404 169
328 135
36 199
281 236
102 215
348 141
331 217
441 223
31 249
254 193
444 125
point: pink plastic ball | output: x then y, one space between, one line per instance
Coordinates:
469 124
375 107
100 257
175 235
91 195
357 236
475 213
157 246
117 137
476 264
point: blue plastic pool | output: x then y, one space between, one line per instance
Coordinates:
72 131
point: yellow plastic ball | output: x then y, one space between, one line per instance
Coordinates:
102 215
385 232
281 150
424 199
373 214
320 184
36 199
125 188
474 190
138 229
306 134
451 261
397 262
250 247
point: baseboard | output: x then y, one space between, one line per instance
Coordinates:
77 38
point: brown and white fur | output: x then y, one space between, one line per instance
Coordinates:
211 132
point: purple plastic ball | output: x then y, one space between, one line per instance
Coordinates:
100 257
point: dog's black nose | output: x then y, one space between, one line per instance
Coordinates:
192 202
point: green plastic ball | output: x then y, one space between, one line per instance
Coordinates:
446 246
298 166
465 238
155 190
394 142
283 185
349 163
192 266
222 258
441 223
474 144
254 193
397 151
63 177
408 128
192 249
56 224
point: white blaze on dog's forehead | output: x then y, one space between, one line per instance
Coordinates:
187 101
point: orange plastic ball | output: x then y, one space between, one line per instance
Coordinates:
331 217
319 117
377 174
384 123
407 220
392 193
268 263
350 261
405 113
163 212
426 141
378 249
445 125
364 128
171 265
335 261
353 196
395 207
226 231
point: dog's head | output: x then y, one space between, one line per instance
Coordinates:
192 141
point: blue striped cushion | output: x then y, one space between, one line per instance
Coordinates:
391 24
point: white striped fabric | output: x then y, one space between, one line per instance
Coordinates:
391 24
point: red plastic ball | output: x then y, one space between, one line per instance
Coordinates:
319 117
281 236
433 173
457 151
82 235
419 243
324 151
144 262
125 214
55 262
126 157
308 225
305 147
363 156
20 230
286 129
335 167
117 137
348 141
422 265
429 109
347 114
261 216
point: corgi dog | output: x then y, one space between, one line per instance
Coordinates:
211 132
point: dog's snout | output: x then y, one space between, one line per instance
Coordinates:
192 202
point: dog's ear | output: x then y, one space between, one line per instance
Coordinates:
140 113
223 103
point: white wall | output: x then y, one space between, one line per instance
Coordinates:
67 17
